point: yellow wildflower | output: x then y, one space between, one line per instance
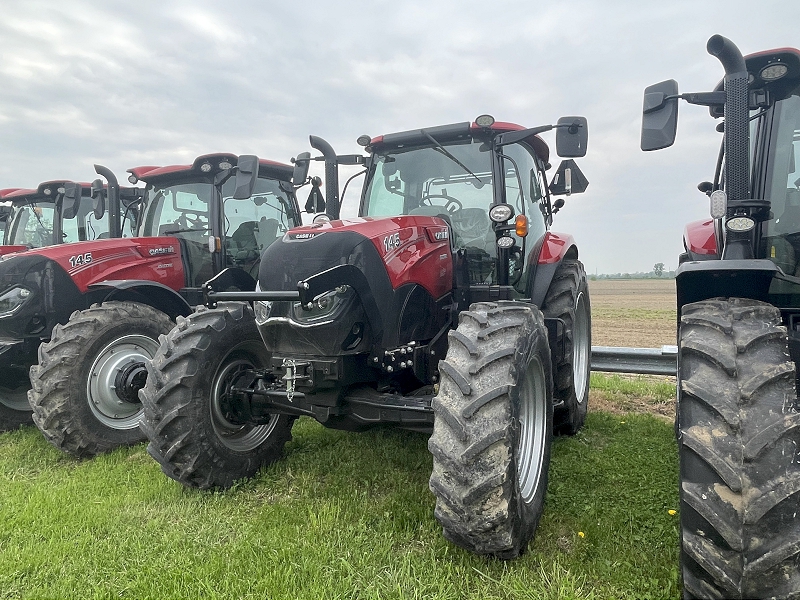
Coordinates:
581 534
672 512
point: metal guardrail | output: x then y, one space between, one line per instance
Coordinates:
645 361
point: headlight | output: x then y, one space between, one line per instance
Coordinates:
12 299
263 309
323 306
500 213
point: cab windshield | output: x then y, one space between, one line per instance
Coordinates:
32 225
424 180
781 234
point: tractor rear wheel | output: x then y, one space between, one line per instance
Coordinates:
738 438
184 412
14 407
84 392
568 300
493 429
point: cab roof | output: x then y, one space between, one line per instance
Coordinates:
453 133
266 168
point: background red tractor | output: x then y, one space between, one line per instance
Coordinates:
738 285
100 305
59 212
447 307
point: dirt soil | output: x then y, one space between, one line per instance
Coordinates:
637 313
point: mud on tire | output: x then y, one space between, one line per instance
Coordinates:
738 439
74 401
189 435
493 429
568 300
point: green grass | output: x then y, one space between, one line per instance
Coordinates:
342 516
656 388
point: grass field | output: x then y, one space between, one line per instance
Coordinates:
350 516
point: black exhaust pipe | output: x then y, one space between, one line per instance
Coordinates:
331 175
737 130
115 227
739 245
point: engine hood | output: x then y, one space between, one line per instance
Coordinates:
394 250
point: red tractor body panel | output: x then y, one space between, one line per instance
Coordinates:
699 237
414 248
11 248
555 247
153 259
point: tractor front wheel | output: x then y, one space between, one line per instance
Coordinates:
84 392
493 429
568 300
738 439
186 395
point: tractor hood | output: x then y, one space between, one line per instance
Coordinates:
86 263
390 252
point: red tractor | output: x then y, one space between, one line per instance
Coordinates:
100 305
56 212
59 212
738 286
447 307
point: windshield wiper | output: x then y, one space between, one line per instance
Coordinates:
444 151
188 229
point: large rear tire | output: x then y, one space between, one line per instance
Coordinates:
84 391
493 429
15 410
189 434
738 439
568 300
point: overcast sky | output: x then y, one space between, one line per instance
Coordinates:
135 83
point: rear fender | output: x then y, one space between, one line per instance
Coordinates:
153 294
556 247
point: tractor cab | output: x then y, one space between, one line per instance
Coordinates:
216 224
60 212
487 181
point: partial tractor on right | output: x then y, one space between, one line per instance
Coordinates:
738 292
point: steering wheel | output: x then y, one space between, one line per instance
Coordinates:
451 205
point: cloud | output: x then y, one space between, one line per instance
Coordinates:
159 83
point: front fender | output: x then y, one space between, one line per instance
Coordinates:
157 295
556 247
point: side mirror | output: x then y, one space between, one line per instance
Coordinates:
569 179
572 137
660 115
316 201
301 164
246 175
5 212
98 199
71 200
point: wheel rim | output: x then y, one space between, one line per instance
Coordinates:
580 348
240 438
533 430
101 390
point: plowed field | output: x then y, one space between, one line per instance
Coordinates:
637 313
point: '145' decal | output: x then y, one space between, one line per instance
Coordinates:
80 259
390 242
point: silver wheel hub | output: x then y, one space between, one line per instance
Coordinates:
532 416
118 358
581 351
236 437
